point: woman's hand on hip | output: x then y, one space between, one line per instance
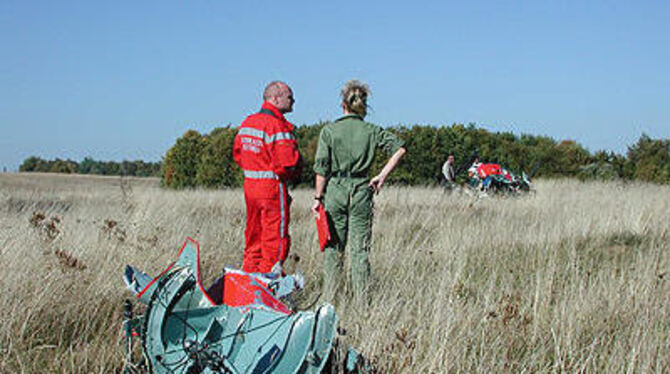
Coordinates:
377 182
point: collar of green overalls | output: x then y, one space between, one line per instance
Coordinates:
352 115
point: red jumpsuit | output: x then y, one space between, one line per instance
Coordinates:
267 152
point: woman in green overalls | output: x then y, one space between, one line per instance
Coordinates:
345 152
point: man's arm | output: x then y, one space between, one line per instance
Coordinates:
284 153
445 170
237 150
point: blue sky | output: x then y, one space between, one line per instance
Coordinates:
123 80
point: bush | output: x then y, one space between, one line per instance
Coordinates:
181 161
217 167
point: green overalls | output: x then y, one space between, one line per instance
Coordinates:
344 155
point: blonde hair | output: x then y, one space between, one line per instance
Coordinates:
355 97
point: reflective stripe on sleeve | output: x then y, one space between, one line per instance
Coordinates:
260 174
250 131
279 136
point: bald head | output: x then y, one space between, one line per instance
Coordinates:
280 95
272 89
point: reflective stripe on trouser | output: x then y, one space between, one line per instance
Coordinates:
349 207
260 174
266 235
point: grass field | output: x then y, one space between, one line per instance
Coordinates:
573 279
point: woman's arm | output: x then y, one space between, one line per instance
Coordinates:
319 188
377 182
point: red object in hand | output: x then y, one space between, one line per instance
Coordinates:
322 227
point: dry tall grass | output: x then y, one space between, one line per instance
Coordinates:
573 279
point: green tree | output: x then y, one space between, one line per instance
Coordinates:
217 167
649 160
63 166
308 140
571 156
180 165
30 164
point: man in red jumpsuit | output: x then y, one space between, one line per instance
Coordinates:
267 152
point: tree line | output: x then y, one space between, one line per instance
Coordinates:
205 160
88 165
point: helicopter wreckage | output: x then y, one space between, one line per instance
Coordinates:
238 325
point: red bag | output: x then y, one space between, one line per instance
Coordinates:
322 227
